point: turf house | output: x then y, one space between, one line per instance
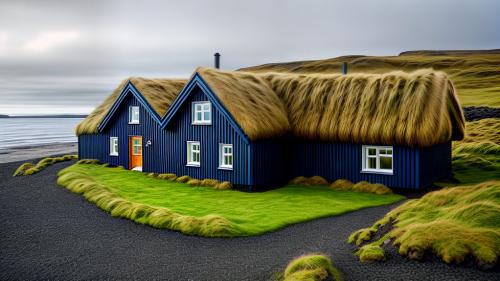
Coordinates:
259 130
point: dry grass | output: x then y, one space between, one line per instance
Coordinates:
27 168
250 100
453 223
183 179
160 93
413 109
474 73
311 267
194 182
312 181
362 186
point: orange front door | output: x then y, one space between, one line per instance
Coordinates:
135 152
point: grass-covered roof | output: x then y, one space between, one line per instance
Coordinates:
397 108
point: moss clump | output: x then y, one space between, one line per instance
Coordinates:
194 182
371 253
452 223
224 185
312 181
362 186
183 179
88 161
169 176
27 168
22 169
312 267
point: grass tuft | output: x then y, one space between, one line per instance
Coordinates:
170 177
209 182
453 223
371 253
27 168
183 179
312 181
88 161
194 182
362 186
311 267
225 185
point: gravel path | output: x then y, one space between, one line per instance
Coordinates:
48 232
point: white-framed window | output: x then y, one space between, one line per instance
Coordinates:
113 146
201 113
225 156
377 159
133 115
193 153
136 147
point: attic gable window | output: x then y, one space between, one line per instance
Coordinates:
133 115
377 159
201 113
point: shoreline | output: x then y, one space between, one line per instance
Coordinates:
29 152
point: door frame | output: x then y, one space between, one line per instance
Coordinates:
131 150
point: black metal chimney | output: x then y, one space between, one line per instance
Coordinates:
344 68
217 60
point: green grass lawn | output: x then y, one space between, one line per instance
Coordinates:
250 213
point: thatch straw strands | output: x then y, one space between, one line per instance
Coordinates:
397 108
160 93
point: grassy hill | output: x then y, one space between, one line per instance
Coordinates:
476 74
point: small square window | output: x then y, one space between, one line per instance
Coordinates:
377 159
202 113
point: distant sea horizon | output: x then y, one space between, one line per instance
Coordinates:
29 131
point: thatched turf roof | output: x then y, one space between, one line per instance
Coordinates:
160 93
413 109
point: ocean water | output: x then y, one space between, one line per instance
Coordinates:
17 132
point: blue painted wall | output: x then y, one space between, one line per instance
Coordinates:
266 163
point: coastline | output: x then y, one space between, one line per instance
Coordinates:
22 153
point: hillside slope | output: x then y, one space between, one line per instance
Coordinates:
476 74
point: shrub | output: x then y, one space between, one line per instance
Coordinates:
224 185
20 171
183 179
311 267
371 253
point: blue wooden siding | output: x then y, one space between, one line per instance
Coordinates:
435 163
265 163
180 130
168 150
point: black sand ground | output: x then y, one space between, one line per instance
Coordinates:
49 233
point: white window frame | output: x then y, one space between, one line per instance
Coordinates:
222 155
195 110
377 155
131 115
113 145
190 154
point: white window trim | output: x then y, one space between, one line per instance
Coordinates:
364 168
189 154
130 121
221 156
193 113
111 146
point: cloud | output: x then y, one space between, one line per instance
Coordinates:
49 40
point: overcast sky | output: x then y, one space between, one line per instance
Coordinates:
66 56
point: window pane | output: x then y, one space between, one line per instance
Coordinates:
230 162
382 151
371 163
385 162
372 151
207 116
389 151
